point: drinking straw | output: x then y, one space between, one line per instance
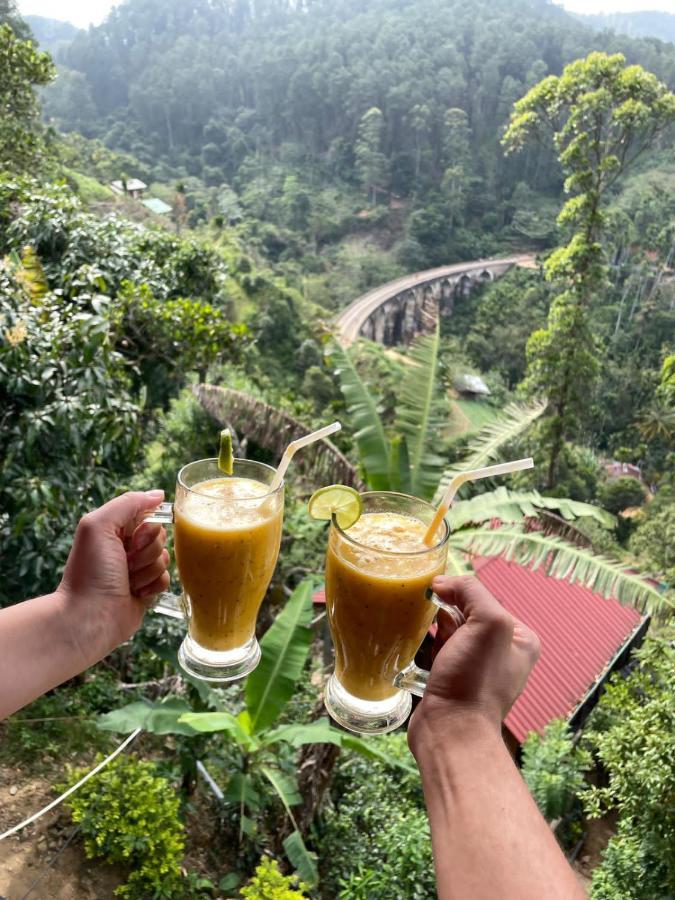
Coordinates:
472 475
294 446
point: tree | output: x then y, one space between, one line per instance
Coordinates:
553 768
9 15
371 164
22 144
602 116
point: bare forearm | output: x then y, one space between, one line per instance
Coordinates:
38 650
489 838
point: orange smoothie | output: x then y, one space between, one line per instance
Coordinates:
376 601
226 544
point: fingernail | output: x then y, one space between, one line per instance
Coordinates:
155 494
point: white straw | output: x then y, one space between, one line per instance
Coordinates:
294 446
455 484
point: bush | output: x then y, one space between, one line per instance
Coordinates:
129 815
620 493
268 883
554 769
375 842
632 732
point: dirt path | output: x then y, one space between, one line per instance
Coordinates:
30 868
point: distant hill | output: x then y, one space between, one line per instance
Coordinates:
635 24
51 34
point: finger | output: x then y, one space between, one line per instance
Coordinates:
469 595
526 640
126 509
150 591
146 553
145 576
447 626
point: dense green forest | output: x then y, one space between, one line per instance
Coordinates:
309 152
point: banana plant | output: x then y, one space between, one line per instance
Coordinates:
496 523
255 731
409 461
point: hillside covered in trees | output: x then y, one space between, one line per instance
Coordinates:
307 152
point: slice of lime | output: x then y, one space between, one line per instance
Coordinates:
336 499
225 457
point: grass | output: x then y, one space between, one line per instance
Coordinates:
90 190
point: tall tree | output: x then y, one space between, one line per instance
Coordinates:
371 163
22 146
602 115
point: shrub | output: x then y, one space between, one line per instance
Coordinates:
268 883
553 769
632 732
129 815
375 842
620 493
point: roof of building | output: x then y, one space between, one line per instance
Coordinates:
580 633
159 207
133 184
472 384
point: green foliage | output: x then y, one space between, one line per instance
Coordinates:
374 841
409 460
128 815
553 769
22 144
632 733
602 115
620 493
268 883
654 540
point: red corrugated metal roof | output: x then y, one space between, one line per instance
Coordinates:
580 632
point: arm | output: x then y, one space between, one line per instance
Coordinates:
489 838
113 567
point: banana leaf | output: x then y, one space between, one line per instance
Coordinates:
422 412
365 420
284 650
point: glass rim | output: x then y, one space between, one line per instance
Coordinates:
405 553
236 459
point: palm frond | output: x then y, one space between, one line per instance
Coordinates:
561 559
422 411
368 429
514 506
274 429
486 445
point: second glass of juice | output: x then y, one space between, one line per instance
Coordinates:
227 533
378 578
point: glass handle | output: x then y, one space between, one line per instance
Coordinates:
454 611
413 679
163 515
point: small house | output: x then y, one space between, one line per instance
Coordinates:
132 187
470 387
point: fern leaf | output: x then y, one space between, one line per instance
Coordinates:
485 447
560 559
422 412
368 429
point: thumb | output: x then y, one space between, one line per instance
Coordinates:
125 509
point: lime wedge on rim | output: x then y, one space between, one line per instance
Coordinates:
225 457
336 499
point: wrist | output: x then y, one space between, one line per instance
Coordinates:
76 631
451 726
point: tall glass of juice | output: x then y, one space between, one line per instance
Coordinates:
227 533
378 589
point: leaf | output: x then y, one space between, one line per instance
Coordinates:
286 788
284 651
208 722
369 749
366 423
422 411
399 465
561 559
241 790
486 445
158 718
303 861
318 732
